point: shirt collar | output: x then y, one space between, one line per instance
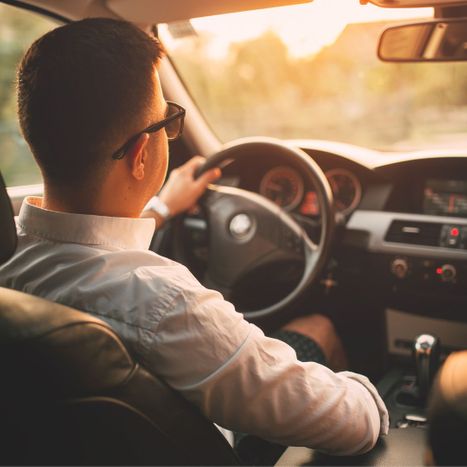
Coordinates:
114 232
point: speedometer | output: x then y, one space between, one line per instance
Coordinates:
284 186
346 188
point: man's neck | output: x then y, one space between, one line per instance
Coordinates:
81 205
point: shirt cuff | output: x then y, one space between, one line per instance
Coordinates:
383 411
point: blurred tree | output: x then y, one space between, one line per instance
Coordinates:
341 93
18 29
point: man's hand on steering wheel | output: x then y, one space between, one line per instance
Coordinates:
182 190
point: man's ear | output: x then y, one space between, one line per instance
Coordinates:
137 157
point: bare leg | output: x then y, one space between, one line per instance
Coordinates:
322 331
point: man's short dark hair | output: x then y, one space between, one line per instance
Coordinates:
83 88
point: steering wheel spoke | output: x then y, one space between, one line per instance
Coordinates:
310 247
243 232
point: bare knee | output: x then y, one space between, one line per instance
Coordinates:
320 329
312 326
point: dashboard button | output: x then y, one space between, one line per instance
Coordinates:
400 268
447 273
452 236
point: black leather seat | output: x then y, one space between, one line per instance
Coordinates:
70 393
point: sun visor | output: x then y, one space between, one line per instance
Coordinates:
163 11
414 3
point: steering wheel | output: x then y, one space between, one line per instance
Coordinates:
247 231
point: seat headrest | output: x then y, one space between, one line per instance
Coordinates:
8 237
447 412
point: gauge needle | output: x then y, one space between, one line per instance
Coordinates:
335 187
275 186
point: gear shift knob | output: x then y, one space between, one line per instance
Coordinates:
427 355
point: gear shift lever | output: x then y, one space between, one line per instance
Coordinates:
427 355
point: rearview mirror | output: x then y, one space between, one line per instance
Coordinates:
413 3
434 41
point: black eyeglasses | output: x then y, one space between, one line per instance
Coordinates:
173 124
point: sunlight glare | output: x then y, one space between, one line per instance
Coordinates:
305 29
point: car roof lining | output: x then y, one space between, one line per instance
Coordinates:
36 9
65 10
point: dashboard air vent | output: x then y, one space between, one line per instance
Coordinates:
414 233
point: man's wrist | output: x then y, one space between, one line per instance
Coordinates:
158 206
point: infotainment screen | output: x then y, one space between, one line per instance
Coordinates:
445 197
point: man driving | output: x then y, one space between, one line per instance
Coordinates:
91 108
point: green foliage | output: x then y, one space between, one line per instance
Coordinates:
18 29
343 93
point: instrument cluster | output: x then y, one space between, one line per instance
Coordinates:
286 187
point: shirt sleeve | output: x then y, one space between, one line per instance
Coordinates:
247 382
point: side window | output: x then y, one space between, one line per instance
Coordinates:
18 29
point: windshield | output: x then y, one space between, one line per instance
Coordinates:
311 72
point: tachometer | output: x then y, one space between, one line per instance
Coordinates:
284 186
346 188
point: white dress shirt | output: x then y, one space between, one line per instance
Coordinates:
189 335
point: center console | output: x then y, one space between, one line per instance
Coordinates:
405 392
400 447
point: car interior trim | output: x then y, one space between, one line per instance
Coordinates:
402 326
377 224
37 9
178 10
68 10
197 133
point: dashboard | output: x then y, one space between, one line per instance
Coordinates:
404 227
419 183
285 185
